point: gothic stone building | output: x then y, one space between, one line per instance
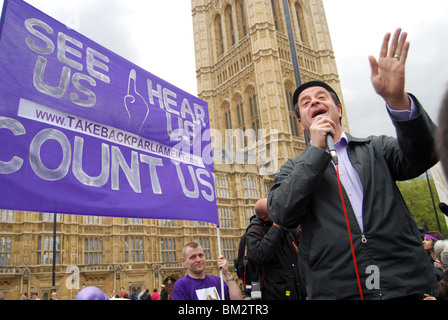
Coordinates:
245 73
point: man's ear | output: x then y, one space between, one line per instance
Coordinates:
300 122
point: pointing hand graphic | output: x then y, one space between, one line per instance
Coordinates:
134 103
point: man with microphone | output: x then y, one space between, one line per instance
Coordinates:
359 240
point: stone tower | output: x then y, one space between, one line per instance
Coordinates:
245 72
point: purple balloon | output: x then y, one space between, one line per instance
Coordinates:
91 293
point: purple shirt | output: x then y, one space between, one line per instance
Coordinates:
348 174
188 288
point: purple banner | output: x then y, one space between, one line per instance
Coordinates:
84 131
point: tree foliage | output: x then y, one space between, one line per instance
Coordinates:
423 202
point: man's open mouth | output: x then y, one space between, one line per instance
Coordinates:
318 112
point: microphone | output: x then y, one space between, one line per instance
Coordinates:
444 208
332 149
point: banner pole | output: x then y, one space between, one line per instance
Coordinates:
220 271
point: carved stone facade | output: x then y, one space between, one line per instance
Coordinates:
105 252
245 73
244 67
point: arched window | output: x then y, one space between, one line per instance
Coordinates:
49 217
5 252
222 187
93 251
45 250
228 118
254 113
241 18
6 215
228 249
225 126
277 15
168 250
241 122
301 24
218 36
230 30
250 187
225 217
93 220
133 249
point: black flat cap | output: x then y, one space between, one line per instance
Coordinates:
310 84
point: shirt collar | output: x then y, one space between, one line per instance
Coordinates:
343 141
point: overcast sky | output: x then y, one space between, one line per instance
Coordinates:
357 29
158 37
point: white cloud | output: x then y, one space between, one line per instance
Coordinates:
155 35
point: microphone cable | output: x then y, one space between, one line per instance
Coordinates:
334 157
349 231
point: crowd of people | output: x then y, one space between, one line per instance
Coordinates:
436 246
144 294
34 296
94 293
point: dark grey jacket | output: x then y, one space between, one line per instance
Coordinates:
276 250
306 193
